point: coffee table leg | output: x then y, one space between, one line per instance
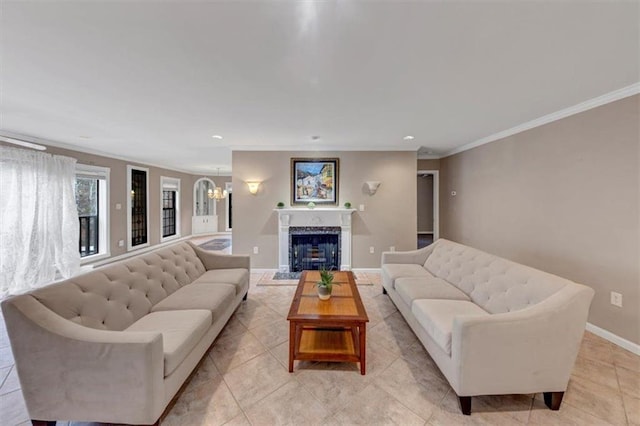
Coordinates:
292 343
363 348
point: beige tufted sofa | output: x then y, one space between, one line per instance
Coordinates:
116 344
491 325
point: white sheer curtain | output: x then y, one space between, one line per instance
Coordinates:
39 228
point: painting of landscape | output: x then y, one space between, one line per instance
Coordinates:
314 180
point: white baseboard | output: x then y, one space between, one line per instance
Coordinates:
373 270
613 338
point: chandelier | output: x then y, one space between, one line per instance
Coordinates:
217 193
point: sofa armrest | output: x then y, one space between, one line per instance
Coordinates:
526 351
221 261
418 257
71 372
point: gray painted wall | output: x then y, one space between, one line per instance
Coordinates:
389 218
563 198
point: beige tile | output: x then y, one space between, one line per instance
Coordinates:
596 371
381 304
632 408
596 348
207 402
595 399
204 372
255 379
289 405
13 408
418 356
567 415
496 408
375 406
417 388
232 327
4 372
272 334
393 334
11 383
448 414
239 420
629 381
231 351
6 357
626 359
252 316
378 359
332 387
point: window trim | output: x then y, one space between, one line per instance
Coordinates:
170 183
131 247
103 175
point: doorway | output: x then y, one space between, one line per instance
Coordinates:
428 207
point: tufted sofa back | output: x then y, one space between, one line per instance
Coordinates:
495 284
115 296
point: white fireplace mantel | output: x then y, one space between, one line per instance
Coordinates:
317 217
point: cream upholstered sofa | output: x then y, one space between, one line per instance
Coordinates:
116 344
491 325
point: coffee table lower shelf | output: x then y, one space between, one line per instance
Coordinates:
337 344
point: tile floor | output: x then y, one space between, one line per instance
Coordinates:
243 380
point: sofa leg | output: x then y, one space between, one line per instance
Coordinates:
245 296
42 423
384 290
553 399
465 405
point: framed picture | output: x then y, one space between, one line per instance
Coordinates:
314 179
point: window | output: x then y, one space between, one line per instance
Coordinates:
170 199
92 191
137 207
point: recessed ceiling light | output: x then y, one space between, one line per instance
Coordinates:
408 138
216 137
84 137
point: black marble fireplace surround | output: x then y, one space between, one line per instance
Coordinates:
314 247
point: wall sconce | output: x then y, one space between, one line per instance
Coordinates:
372 185
253 187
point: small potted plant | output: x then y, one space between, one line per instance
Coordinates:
325 285
280 204
347 205
311 205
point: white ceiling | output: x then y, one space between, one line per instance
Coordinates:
153 81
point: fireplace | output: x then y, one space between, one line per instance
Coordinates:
329 230
312 248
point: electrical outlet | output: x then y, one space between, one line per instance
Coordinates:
121 243
372 250
256 250
118 206
361 207
616 299
392 248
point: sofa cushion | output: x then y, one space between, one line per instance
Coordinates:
237 276
497 285
215 298
414 288
436 317
181 331
392 271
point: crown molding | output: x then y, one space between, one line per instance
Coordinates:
616 95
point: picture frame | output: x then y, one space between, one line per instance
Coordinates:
315 180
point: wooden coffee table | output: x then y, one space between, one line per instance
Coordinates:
329 330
